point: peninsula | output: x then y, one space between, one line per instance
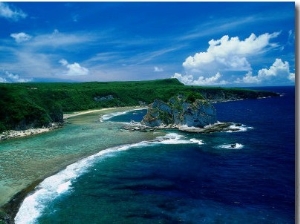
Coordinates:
25 106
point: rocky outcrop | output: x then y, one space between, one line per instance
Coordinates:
231 94
216 127
179 111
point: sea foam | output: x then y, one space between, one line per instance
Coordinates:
198 141
61 183
173 138
239 128
231 146
111 115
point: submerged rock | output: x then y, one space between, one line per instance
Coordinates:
180 111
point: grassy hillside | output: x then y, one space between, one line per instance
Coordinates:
24 105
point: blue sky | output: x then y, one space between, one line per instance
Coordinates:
200 43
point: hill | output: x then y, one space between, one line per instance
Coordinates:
27 105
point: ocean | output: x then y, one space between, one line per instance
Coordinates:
180 177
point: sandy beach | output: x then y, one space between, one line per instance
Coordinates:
73 114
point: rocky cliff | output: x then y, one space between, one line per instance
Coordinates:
180 110
231 94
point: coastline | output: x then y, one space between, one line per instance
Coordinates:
78 113
11 134
28 132
10 208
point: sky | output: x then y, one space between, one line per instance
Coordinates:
199 43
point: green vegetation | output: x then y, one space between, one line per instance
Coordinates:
24 105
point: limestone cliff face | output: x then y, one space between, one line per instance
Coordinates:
179 111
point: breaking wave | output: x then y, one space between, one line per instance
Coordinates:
238 128
111 115
61 183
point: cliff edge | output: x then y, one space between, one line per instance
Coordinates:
180 110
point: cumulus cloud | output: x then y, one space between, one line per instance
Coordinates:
10 77
3 80
157 69
227 57
189 79
20 37
278 71
74 69
229 53
38 55
7 12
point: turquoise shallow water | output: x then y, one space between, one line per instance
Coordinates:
183 177
22 161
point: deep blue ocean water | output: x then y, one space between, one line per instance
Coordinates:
184 177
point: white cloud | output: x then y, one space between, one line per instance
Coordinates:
3 80
20 37
278 71
8 13
186 79
189 79
17 78
217 25
149 56
33 63
292 77
228 53
291 38
230 57
10 77
38 57
157 69
59 39
63 62
74 69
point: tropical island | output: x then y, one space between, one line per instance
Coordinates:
26 106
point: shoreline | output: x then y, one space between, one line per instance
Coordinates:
12 134
9 210
78 113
